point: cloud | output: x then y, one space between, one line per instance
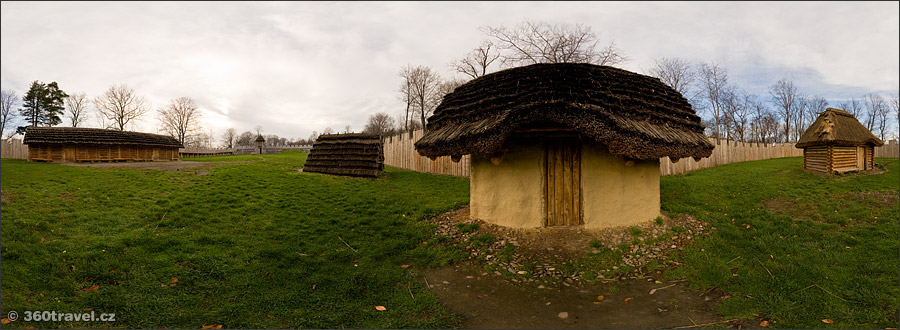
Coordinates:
297 67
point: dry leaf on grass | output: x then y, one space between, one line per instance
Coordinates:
764 323
91 288
4 320
380 308
829 321
600 298
212 326
628 299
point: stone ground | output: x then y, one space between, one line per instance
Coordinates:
488 292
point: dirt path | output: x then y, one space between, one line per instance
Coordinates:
487 301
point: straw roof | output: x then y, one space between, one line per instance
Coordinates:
634 115
80 135
259 138
837 127
352 154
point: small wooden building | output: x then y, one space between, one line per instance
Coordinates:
564 144
836 143
260 144
353 154
76 144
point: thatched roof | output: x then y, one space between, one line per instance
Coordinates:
633 115
837 127
352 154
79 135
259 138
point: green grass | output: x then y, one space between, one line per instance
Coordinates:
254 244
805 247
467 228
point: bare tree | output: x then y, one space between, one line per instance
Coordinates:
76 108
895 104
853 106
533 42
714 84
425 91
785 96
738 108
406 93
379 123
446 87
760 124
801 104
816 105
874 106
883 120
258 129
245 139
675 73
313 137
180 118
327 131
475 64
347 129
8 99
121 105
228 137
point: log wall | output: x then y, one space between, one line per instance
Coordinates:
99 153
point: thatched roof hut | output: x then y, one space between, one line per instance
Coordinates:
353 154
76 144
635 116
836 142
564 144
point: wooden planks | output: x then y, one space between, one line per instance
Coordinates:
562 195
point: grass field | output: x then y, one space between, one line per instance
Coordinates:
793 247
256 244
252 245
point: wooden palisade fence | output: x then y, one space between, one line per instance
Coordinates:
13 148
399 151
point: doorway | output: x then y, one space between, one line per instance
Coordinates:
562 182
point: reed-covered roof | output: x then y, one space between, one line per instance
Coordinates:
634 115
837 127
353 154
80 135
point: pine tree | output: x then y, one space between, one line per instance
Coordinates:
42 105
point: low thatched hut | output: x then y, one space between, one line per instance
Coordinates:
76 144
353 154
836 143
260 144
564 144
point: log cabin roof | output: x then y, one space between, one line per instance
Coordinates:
837 127
634 115
353 154
81 135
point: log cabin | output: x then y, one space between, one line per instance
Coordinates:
838 143
77 144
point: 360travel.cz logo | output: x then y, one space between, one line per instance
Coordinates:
54 316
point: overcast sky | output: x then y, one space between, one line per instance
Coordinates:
295 67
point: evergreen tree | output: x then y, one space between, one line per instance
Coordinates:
42 105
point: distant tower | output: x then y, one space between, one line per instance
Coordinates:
260 144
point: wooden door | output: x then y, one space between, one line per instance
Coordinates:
861 158
562 194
